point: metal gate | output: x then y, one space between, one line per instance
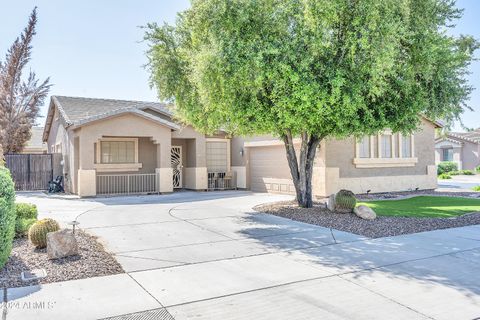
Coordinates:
30 171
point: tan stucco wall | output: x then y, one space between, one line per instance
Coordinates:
340 154
124 126
199 150
470 156
58 135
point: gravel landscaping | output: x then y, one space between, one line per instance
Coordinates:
349 222
92 261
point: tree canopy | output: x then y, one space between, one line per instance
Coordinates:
311 68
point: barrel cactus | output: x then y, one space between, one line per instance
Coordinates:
345 201
37 234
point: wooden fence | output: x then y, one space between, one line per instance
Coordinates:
30 171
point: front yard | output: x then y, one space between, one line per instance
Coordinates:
397 213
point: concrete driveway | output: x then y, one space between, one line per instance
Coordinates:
460 183
209 256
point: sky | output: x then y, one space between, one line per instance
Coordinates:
94 48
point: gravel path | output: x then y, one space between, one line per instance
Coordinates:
92 261
349 222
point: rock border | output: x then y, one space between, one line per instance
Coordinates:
92 261
349 222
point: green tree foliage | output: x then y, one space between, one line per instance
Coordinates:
312 69
7 215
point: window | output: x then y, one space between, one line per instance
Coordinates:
117 151
406 146
447 154
364 147
386 146
217 156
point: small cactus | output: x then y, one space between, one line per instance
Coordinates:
37 234
345 201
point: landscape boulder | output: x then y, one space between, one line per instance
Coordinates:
61 244
365 212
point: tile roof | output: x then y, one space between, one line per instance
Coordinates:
472 136
78 109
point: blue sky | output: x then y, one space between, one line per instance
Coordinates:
94 49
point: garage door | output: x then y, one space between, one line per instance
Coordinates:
269 171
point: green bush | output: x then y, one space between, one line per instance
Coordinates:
444 176
26 211
468 172
454 173
477 169
446 166
22 226
7 215
476 188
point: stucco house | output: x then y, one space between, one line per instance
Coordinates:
116 146
462 148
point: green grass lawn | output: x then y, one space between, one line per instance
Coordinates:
424 207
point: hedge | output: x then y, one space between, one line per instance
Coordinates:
446 166
7 215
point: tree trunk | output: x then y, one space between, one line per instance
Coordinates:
301 167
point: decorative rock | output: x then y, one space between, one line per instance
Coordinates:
61 244
365 212
331 202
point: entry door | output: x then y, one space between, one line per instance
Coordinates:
177 166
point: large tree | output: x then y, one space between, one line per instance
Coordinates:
312 69
20 99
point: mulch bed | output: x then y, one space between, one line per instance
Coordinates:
92 261
349 222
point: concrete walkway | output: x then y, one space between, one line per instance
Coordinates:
209 256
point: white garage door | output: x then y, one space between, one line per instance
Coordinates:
269 171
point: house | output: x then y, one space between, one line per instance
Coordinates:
35 145
116 146
462 148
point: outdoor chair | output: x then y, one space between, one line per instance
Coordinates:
56 185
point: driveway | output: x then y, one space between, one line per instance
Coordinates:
209 256
460 183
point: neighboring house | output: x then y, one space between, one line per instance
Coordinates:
116 146
462 148
35 144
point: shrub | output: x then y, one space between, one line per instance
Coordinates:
444 176
7 215
345 201
454 173
476 188
22 226
26 211
37 234
468 172
446 166
477 169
